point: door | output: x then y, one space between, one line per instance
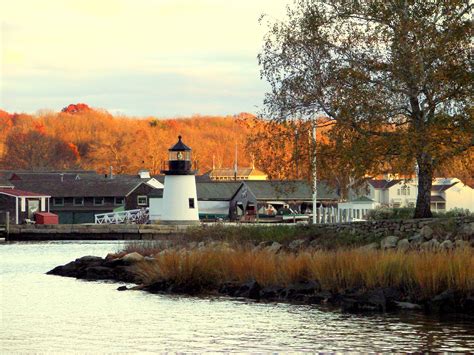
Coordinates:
33 207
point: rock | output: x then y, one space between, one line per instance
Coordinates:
295 290
132 257
369 247
89 259
430 245
389 242
274 248
229 288
467 230
415 240
271 292
373 300
407 305
122 288
158 286
296 245
446 245
403 245
250 289
426 233
461 244
99 273
445 302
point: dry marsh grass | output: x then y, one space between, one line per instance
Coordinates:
427 273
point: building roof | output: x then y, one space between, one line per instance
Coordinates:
230 172
22 193
362 199
383 184
4 183
83 187
437 199
439 188
223 191
289 190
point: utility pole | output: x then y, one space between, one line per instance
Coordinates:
315 178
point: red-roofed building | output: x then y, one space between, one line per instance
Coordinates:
22 205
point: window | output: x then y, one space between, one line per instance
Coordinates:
191 203
142 200
58 201
398 192
78 201
98 201
119 200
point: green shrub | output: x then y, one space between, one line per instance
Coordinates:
390 213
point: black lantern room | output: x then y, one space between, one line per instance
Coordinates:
179 160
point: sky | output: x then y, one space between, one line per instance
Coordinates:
162 58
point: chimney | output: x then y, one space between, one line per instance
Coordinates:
144 174
62 177
111 174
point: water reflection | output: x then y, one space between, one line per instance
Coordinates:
50 313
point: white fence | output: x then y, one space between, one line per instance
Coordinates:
325 215
139 216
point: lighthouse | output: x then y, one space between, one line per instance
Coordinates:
179 204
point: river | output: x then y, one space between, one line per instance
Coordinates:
45 313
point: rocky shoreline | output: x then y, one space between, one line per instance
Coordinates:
388 299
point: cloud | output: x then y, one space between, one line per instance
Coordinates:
61 50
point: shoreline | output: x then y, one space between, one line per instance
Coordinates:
378 299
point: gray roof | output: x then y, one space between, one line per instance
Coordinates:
383 184
81 188
289 190
223 191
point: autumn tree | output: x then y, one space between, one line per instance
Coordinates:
396 75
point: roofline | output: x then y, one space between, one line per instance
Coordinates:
3 192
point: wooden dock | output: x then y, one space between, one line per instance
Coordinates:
37 232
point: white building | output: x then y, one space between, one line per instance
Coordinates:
446 194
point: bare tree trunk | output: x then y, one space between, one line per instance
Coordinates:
425 180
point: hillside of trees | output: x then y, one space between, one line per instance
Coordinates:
79 137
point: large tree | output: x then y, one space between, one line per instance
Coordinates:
395 76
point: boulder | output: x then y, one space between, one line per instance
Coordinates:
403 245
415 240
274 248
389 242
426 233
296 245
407 305
271 292
250 289
99 273
445 302
369 247
122 288
446 245
461 244
467 230
430 245
132 257
295 290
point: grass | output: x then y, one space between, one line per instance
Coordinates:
425 273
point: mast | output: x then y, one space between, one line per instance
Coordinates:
315 178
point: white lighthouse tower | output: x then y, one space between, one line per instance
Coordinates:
179 204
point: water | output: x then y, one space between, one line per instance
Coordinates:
44 313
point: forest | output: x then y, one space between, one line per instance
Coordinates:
81 137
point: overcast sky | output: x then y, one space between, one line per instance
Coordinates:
136 57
